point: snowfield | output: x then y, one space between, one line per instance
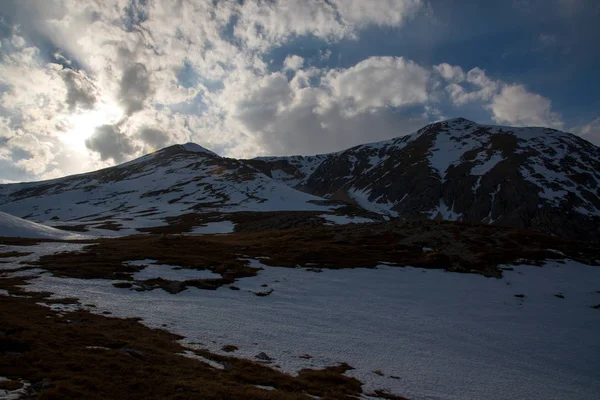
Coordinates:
429 334
11 226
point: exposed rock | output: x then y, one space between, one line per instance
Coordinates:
528 178
263 356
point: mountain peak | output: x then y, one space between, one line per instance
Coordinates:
195 148
459 120
187 148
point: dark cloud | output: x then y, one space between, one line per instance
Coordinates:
154 138
135 88
111 143
80 91
303 131
136 12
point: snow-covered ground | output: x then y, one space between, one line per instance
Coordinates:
12 226
432 334
215 227
16 394
170 272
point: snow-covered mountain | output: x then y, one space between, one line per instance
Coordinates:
532 178
177 180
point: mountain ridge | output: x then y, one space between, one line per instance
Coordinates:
529 178
460 170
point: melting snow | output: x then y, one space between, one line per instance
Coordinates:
486 165
214 227
23 392
342 219
173 273
191 354
446 335
447 151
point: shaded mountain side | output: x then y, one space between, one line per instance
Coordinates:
530 178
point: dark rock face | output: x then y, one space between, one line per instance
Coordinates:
530 178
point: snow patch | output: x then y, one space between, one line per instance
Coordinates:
23 392
173 273
214 228
12 226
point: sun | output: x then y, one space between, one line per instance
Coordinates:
82 124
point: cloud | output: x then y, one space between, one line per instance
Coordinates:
590 131
264 24
377 82
450 73
479 86
135 88
515 105
321 110
33 156
360 13
111 143
80 90
154 138
293 62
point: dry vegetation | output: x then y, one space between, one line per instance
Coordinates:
458 247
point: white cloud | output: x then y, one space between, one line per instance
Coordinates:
377 82
264 24
382 12
350 106
515 105
38 153
590 131
483 87
293 62
450 73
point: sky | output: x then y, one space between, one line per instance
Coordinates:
86 84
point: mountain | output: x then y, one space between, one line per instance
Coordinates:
530 178
181 180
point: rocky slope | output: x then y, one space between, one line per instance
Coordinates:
532 178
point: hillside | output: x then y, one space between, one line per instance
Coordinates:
529 178
145 193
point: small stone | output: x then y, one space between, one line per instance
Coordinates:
263 356
133 353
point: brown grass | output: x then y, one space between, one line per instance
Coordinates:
457 247
9 254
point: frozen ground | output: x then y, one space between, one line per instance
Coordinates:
433 334
14 394
18 227
215 227
170 272
343 219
